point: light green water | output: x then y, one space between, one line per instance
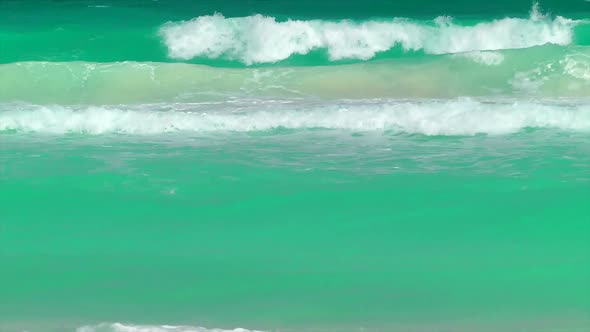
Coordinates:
453 234
361 167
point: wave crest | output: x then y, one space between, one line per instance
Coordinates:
434 117
263 39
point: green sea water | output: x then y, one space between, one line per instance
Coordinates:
321 166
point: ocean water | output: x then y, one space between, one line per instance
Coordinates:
295 166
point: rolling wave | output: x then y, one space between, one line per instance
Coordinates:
463 116
263 39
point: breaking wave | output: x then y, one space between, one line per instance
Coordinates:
464 116
264 39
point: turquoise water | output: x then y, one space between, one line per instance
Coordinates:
174 166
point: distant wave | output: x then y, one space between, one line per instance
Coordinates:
428 117
262 39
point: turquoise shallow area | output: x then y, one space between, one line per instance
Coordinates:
391 233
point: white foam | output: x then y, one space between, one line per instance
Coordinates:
485 58
262 39
577 65
436 117
118 327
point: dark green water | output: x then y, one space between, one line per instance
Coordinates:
324 166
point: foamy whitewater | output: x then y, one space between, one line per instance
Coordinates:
454 117
118 327
261 39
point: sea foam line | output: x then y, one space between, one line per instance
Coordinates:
263 39
436 117
118 327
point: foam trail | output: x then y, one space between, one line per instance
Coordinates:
263 39
486 58
435 117
118 327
